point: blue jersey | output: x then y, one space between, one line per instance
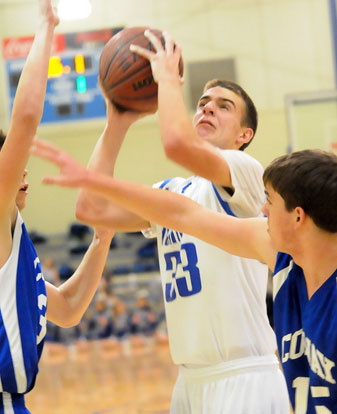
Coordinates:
306 333
23 304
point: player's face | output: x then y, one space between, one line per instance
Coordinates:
22 193
280 221
218 117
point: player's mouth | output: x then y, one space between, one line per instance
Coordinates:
205 122
24 188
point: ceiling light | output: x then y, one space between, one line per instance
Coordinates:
74 9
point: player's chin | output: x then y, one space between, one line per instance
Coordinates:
21 200
206 132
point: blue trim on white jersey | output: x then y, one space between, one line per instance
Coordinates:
223 203
162 185
185 188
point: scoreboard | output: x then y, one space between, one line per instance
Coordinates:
73 92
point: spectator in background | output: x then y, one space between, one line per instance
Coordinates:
100 324
121 321
143 320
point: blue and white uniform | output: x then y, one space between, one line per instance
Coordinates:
23 303
306 333
215 305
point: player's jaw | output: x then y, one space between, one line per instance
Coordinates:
216 134
22 193
206 128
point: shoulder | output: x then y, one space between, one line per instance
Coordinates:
283 261
240 158
282 273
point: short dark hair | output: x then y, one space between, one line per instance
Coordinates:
250 118
307 179
2 138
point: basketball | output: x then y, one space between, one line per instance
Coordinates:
127 77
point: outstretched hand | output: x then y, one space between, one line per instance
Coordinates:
48 12
72 174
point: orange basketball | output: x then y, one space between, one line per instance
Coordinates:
127 77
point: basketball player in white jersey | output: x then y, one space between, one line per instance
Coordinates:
218 329
297 240
26 300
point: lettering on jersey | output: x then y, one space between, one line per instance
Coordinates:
43 331
42 301
182 272
295 345
170 237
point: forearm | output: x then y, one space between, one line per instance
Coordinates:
174 121
241 237
68 303
143 201
181 141
29 100
102 160
27 112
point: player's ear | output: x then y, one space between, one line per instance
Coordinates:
299 216
245 136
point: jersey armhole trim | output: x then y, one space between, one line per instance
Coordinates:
223 203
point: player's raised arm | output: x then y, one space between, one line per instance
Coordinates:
92 208
68 302
27 107
242 237
217 122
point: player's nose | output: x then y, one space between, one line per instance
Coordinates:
264 209
208 108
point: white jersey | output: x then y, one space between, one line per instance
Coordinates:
215 302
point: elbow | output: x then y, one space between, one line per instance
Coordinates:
81 210
85 211
174 147
69 322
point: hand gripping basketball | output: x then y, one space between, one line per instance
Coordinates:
126 76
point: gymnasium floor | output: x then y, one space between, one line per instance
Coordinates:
102 378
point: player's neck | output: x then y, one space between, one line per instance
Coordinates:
14 215
318 261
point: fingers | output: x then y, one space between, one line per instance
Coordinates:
170 46
39 143
155 41
49 180
60 181
169 43
45 150
141 51
40 146
42 153
146 53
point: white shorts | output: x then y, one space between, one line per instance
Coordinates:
253 385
